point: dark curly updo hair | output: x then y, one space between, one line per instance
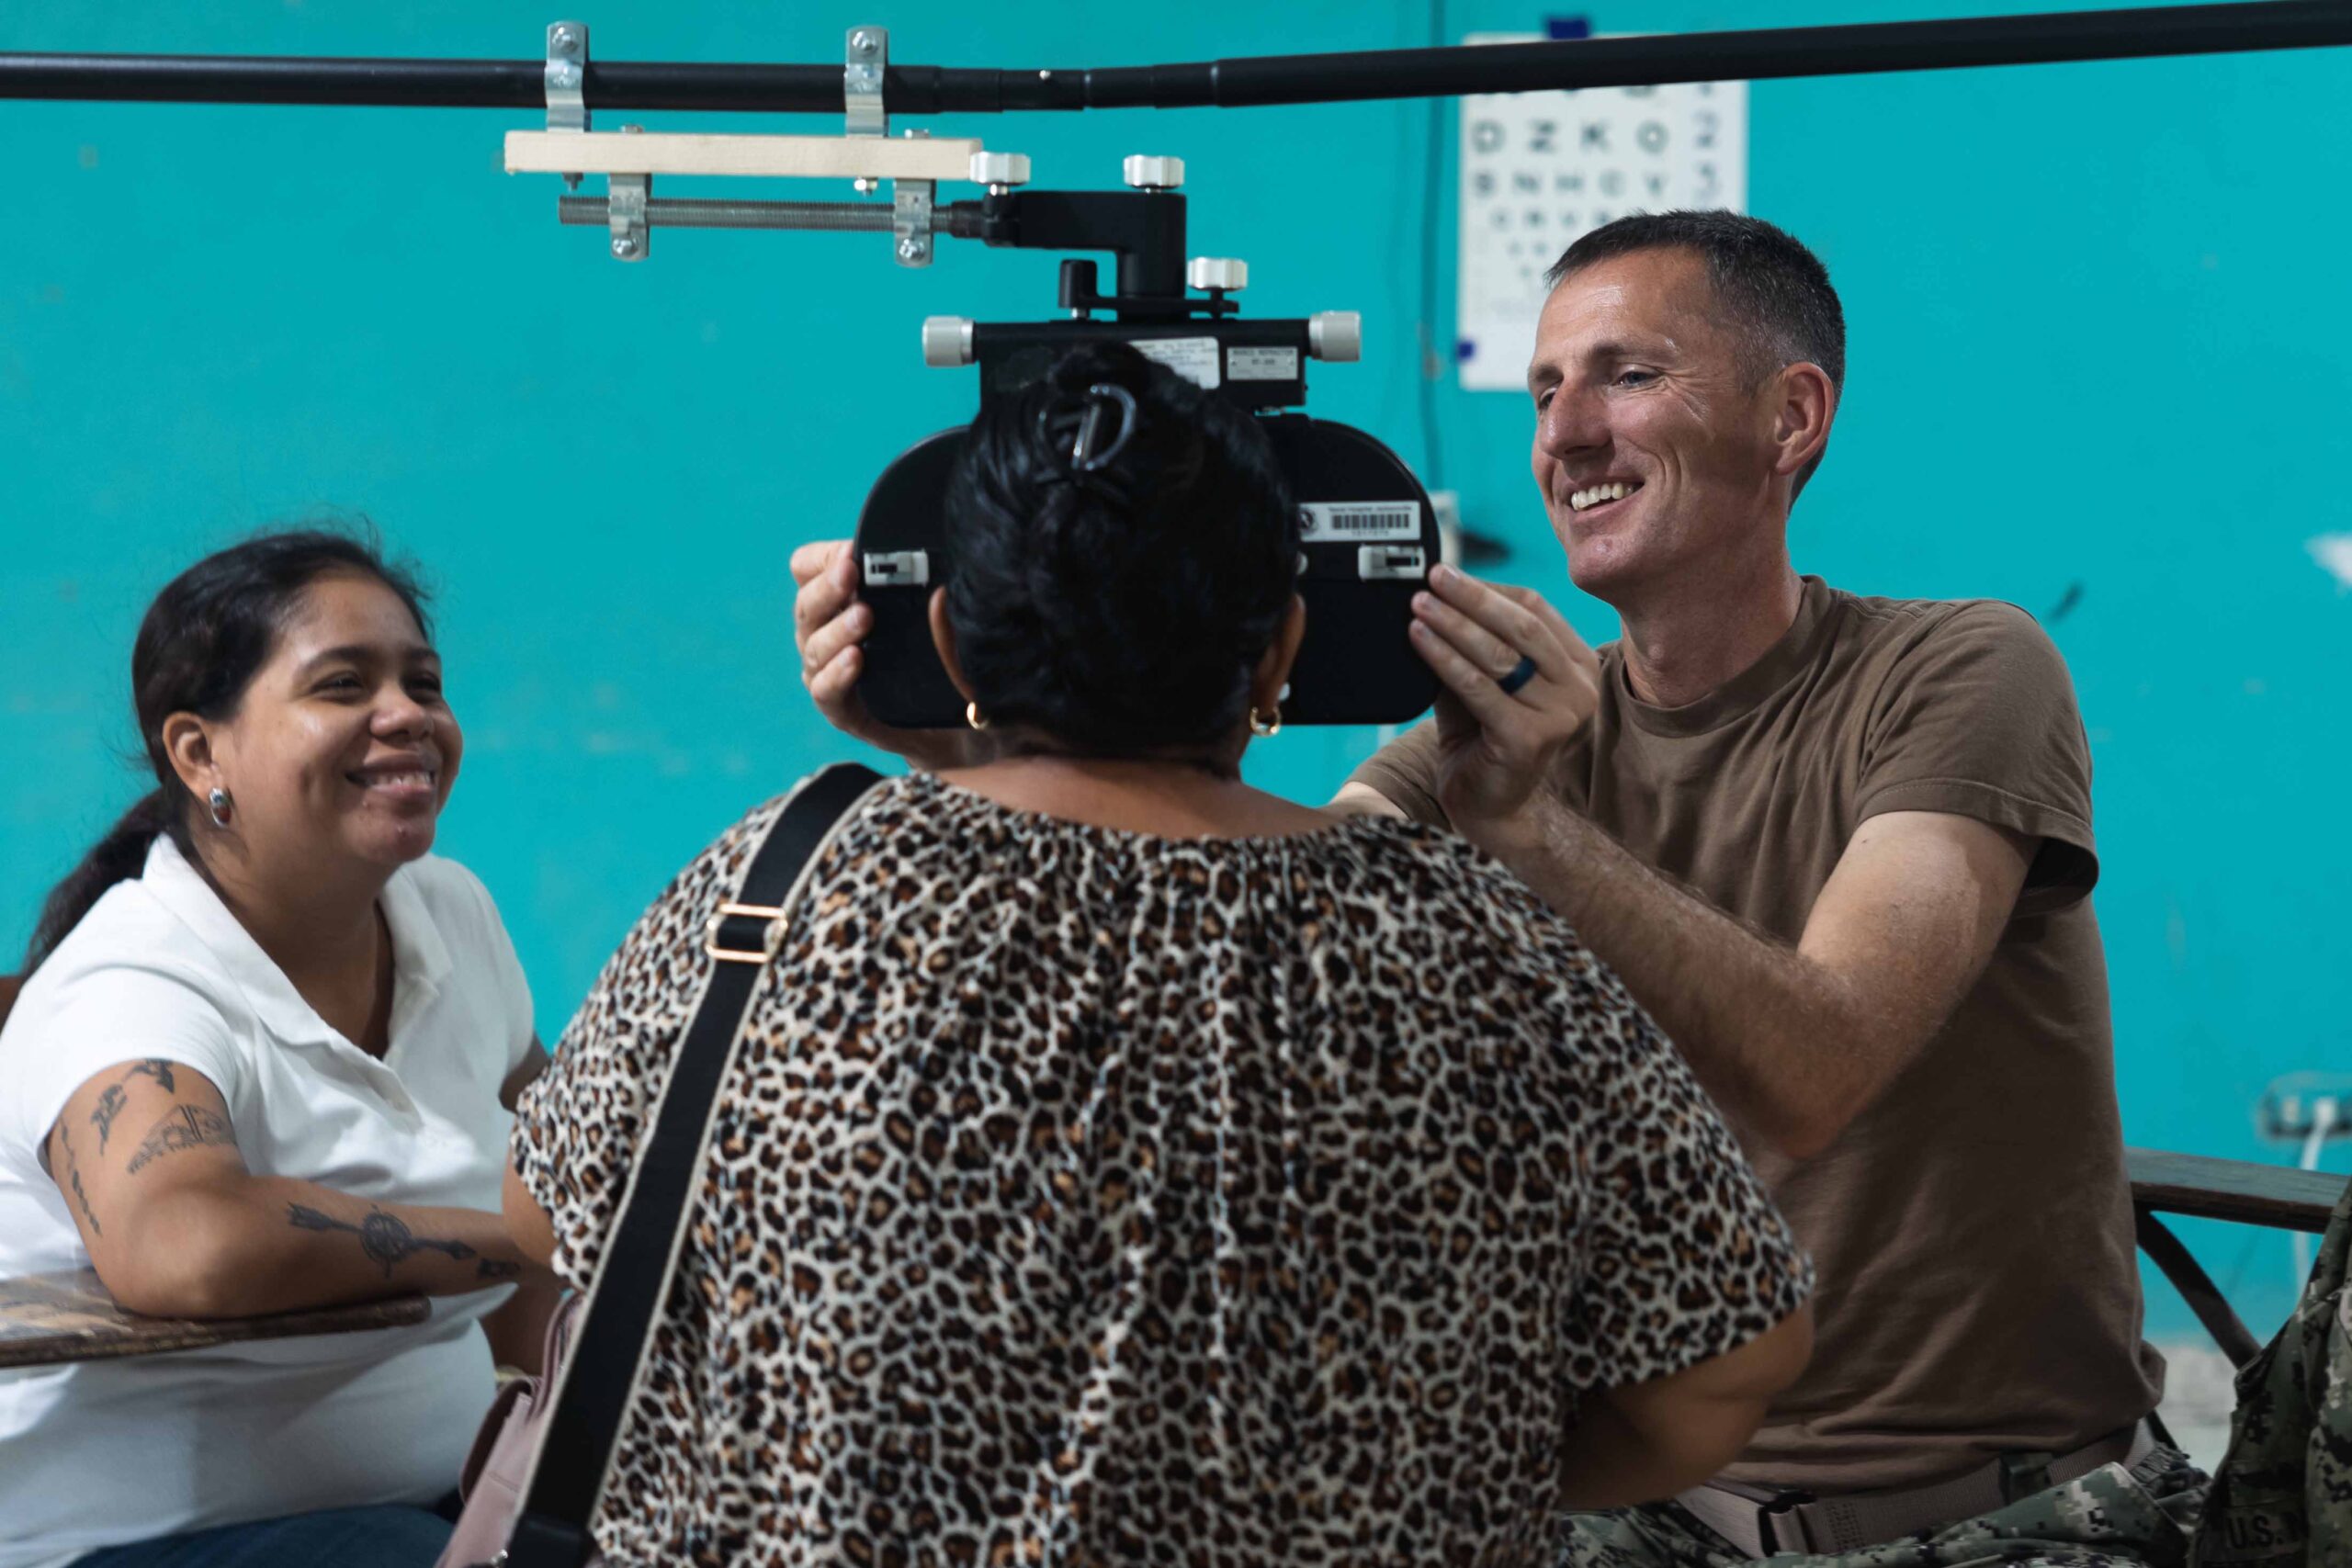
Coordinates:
1118 608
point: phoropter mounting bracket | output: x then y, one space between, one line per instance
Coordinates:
865 155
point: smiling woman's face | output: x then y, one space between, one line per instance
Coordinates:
343 749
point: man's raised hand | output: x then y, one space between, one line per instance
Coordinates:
1496 746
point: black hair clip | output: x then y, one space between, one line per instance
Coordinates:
1075 426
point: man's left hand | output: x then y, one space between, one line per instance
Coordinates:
1496 747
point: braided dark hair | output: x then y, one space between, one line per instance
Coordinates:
1117 600
199 645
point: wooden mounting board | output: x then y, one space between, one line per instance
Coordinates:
69 1317
2239 1189
788 157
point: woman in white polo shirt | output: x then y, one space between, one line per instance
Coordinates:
262 1062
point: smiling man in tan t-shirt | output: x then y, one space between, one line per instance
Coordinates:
1841 848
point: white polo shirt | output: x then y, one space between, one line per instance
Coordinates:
100 1453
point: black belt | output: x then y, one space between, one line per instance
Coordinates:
1760 1520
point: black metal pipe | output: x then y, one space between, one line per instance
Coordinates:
1753 54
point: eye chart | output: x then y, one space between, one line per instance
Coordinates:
1539 169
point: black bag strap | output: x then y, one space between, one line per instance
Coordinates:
633 1278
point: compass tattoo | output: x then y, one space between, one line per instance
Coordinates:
385 1239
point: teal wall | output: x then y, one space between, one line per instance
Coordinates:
2100 349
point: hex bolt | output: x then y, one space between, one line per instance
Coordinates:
863 41
565 40
910 248
623 245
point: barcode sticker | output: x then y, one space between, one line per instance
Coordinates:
1262 363
1194 358
1358 522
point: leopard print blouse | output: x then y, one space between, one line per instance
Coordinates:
1084 1197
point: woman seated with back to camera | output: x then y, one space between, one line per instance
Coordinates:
1126 1165
262 1062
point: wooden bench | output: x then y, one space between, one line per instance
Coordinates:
2244 1192
69 1317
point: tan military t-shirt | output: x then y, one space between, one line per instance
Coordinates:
1979 1290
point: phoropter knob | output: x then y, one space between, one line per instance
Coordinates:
1217 272
1000 168
1146 173
946 341
1336 335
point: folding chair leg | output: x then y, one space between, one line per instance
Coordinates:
2197 1288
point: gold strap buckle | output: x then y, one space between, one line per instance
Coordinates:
771 939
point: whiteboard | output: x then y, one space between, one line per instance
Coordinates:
1539 169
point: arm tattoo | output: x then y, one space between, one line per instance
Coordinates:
110 1107
155 1067
385 1239
73 1178
186 1127
496 1268
111 1100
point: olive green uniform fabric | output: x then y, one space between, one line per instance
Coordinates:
1979 1288
2282 1497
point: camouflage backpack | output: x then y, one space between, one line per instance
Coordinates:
2282 1496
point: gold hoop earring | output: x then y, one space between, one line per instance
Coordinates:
1263 727
974 716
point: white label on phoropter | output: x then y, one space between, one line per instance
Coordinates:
1194 358
1358 522
1262 363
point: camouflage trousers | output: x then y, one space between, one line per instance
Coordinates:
2108 1518
2282 1494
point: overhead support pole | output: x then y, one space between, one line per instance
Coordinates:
1757 54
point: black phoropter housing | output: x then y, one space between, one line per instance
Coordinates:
1369 537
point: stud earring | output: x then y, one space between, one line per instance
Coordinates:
219 802
974 716
1264 726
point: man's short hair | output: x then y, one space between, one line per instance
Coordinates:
1775 292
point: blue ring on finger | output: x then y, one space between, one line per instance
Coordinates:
1520 675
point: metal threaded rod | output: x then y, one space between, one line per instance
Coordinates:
958 219
668 212
1755 54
